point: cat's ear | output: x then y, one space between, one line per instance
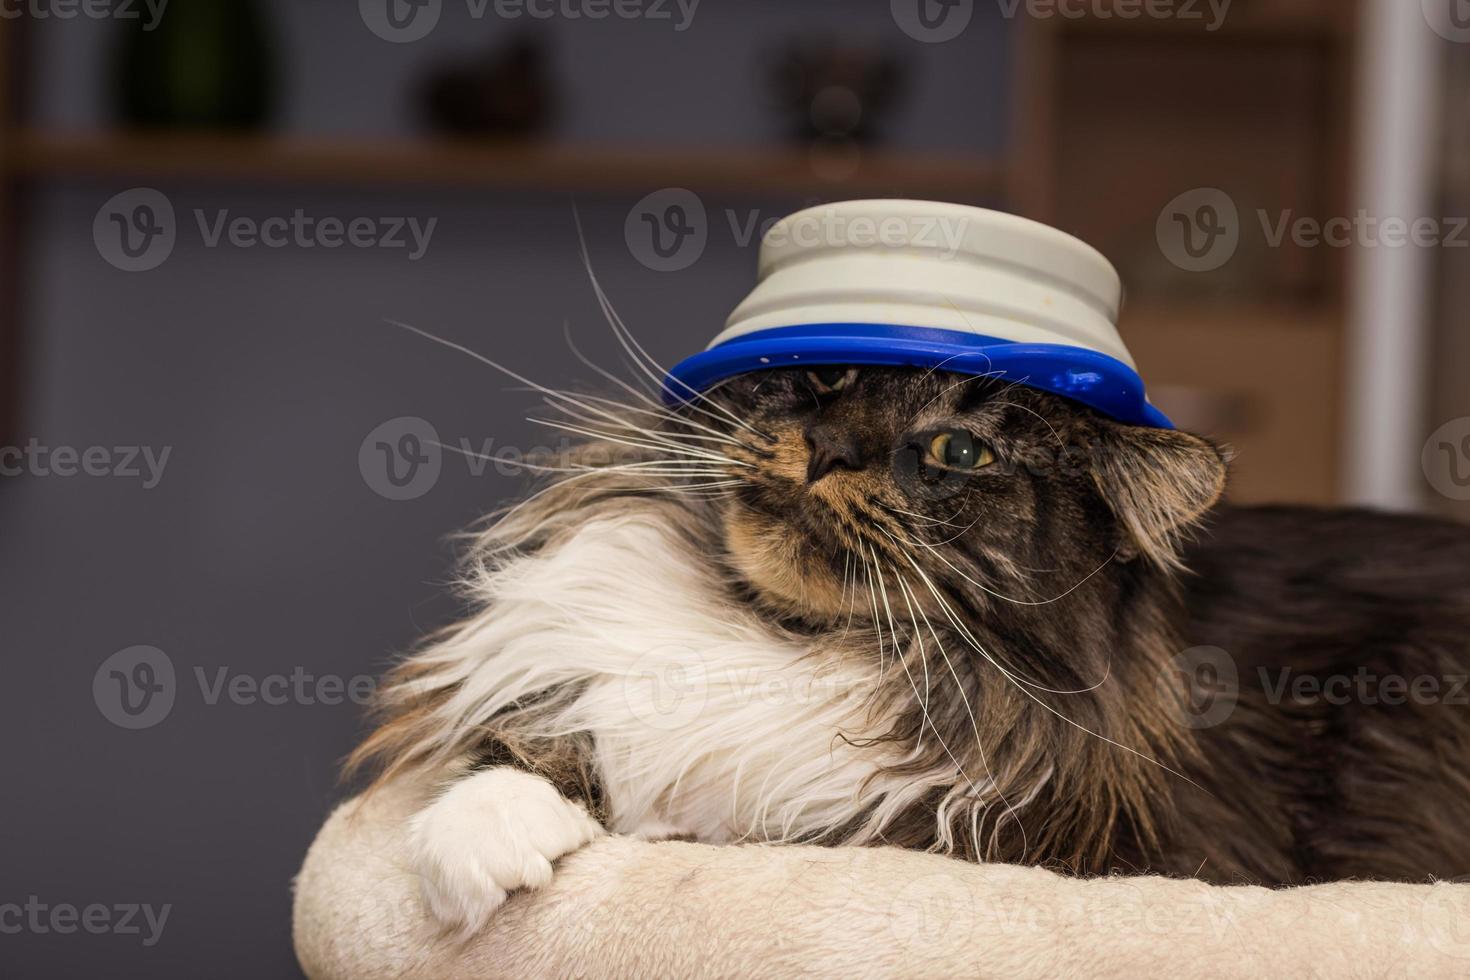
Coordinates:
1158 482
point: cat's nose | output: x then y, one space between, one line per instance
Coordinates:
830 447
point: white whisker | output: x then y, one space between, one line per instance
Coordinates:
708 456
969 637
642 359
974 723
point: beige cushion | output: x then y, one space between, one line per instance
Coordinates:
624 908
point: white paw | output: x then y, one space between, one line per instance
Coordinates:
487 835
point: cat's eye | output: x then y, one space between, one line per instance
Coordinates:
958 450
830 379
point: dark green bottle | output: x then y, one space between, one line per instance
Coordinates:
206 64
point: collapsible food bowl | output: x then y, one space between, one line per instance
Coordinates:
929 285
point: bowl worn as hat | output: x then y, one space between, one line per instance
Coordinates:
930 285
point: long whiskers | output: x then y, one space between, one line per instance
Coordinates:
969 637
643 360
654 470
653 443
677 459
953 617
650 406
1023 602
913 606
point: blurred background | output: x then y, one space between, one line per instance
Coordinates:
223 501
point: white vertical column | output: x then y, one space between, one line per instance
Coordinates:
1389 288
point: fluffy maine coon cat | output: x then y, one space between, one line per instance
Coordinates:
891 606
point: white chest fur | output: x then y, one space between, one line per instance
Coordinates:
705 720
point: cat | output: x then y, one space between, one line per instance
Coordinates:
891 606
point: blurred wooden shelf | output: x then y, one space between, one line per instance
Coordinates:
366 163
1230 315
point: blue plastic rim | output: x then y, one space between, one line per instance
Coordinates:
1096 380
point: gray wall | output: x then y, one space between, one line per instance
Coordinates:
264 549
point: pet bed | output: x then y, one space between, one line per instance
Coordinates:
627 908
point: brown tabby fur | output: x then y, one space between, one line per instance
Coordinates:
1058 599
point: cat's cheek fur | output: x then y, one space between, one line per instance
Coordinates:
487 835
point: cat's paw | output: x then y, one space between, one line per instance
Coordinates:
487 835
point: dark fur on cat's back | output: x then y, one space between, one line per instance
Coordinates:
1054 601
1362 769
1287 788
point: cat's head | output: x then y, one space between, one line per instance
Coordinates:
934 485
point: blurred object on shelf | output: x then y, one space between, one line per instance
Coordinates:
507 92
205 64
829 92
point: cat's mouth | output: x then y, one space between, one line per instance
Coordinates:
796 571
808 546
804 547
